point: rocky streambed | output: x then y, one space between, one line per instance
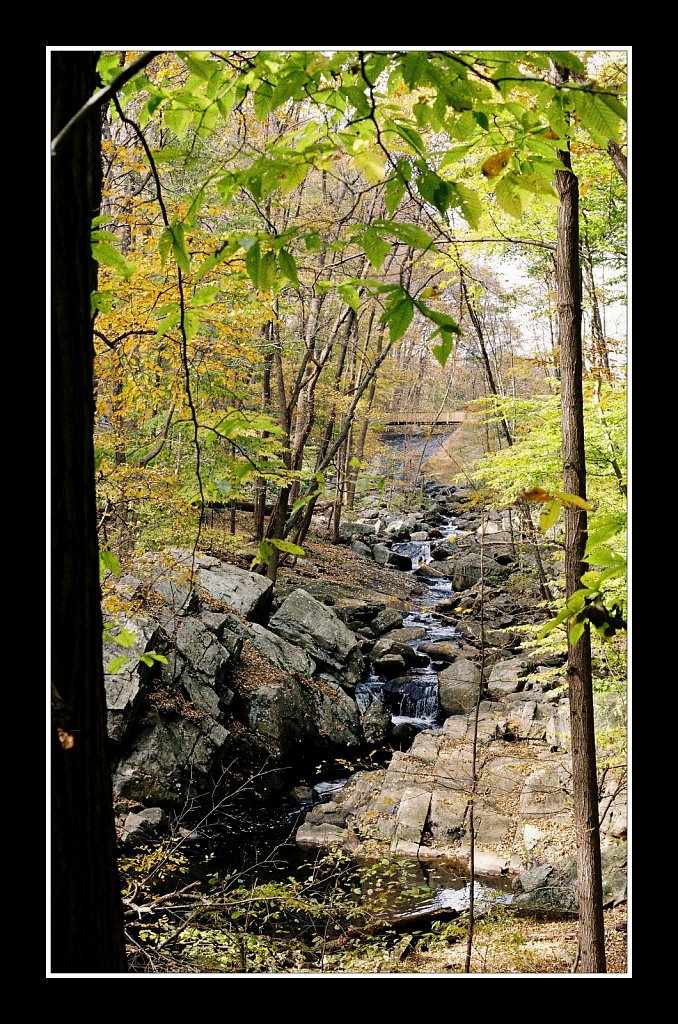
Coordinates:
262 682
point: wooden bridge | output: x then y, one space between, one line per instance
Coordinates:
421 419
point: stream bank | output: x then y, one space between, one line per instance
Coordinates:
262 684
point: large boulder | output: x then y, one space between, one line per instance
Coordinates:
306 623
279 652
245 592
170 758
458 687
298 716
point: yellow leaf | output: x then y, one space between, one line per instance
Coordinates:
574 499
494 165
536 494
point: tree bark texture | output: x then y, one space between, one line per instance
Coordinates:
591 923
86 910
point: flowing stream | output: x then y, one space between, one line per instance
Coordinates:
413 699
262 841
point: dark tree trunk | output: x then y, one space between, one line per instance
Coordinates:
86 912
591 922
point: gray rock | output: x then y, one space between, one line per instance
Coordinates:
143 825
279 652
305 622
445 549
390 666
507 677
545 793
245 592
349 531
440 651
203 697
386 621
203 652
384 556
169 759
376 723
125 685
459 687
361 549
558 888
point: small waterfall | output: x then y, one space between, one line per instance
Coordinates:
420 707
414 699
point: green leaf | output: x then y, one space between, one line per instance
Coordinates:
591 579
165 244
454 154
350 296
599 120
100 235
573 499
552 624
370 164
614 104
442 351
167 323
107 255
537 185
263 101
409 134
149 657
576 630
195 208
115 665
289 175
125 638
288 267
205 296
468 201
442 320
179 250
415 68
566 59
432 188
178 120
393 193
108 66
376 249
107 560
508 196
410 234
198 64
398 315
313 241
287 546
549 515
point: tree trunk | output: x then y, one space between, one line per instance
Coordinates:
86 909
591 923
502 424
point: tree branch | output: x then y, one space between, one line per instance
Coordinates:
102 95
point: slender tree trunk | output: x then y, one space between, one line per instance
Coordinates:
502 425
591 922
86 911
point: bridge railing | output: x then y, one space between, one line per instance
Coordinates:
404 419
